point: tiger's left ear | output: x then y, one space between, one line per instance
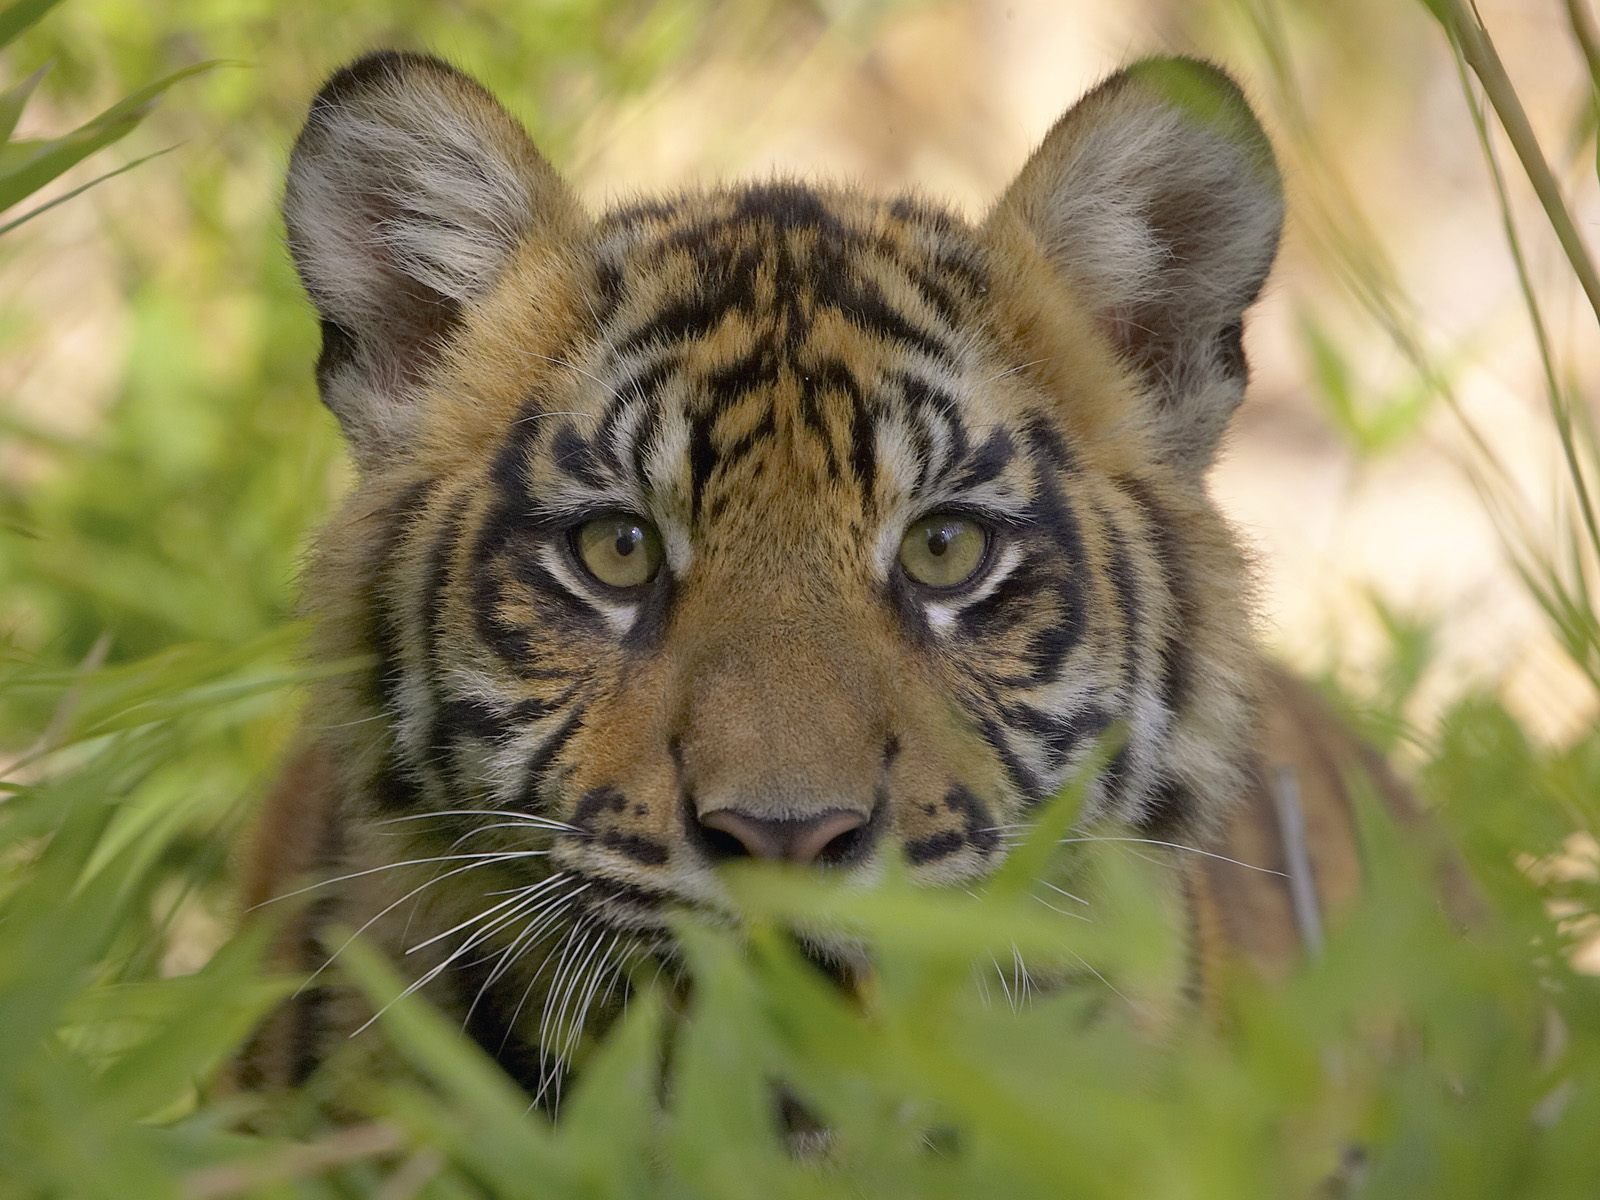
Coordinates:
1158 199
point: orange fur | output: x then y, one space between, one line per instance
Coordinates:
779 381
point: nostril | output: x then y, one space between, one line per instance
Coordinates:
829 839
720 846
832 839
732 834
843 847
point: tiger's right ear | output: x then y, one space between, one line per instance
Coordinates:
409 190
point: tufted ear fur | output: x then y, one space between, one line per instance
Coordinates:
409 190
1158 198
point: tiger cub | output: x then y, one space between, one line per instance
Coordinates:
772 521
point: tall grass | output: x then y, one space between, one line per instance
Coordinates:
149 682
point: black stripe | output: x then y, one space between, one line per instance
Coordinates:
787 205
1176 670
939 297
702 460
560 608
1062 733
644 433
1022 779
812 386
730 287
610 287
1050 511
1046 442
756 369
534 769
928 402
650 616
640 212
645 850
596 801
746 443
977 829
445 724
964 802
1003 609
1165 810
863 449
509 533
394 789
577 456
1125 583
915 210
863 305
458 719
988 461
1049 645
936 845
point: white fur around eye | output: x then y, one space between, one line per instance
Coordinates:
942 614
619 614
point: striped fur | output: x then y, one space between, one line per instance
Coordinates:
780 378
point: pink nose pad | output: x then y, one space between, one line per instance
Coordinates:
803 840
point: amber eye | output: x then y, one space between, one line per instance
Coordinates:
943 550
618 550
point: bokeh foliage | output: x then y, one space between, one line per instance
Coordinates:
148 682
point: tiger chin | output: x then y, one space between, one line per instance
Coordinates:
771 521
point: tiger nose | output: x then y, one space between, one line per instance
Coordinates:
829 839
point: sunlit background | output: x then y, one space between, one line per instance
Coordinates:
1410 467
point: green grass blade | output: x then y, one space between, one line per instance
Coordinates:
15 18
14 99
25 167
79 190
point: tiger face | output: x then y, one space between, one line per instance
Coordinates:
773 521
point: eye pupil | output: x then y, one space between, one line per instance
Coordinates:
944 551
619 551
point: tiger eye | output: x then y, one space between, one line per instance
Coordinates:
619 551
943 550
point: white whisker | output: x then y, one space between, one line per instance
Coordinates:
1062 911
1172 846
1063 892
1004 987
545 922
516 895
547 914
478 859
580 992
438 969
385 911
504 813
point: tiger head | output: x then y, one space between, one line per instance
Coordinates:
776 521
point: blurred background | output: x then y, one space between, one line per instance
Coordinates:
1397 467
1412 468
